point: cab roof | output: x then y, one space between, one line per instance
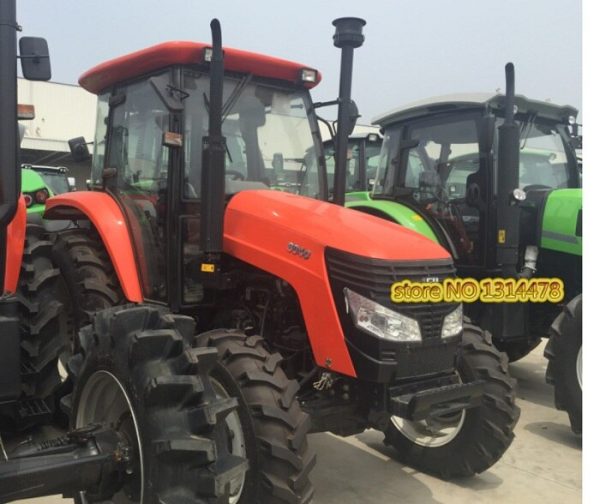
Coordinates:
105 75
459 101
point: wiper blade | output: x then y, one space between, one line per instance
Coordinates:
235 94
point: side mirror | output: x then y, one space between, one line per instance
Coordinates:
487 129
353 116
71 182
79 149
35 59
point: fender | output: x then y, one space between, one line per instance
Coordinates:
286 235
392 211
106 215
15 244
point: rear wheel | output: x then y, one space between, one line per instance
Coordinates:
45 328
269 427
470 441
564 354
88 272
136 374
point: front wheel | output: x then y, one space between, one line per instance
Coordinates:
470 441
564 354
136 374
268 428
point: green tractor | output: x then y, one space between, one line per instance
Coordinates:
38 183
34 191
499 187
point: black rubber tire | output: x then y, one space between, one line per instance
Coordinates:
88 272
44 322
561 351
487 431
275 427
167 384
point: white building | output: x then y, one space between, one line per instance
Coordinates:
62 112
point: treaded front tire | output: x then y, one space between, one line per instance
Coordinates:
484 433
167 400
44 323
274 426
562 351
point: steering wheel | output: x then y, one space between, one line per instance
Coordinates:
237 175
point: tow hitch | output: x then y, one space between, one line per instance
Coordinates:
87 459
406 402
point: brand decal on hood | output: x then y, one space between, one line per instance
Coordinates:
294 248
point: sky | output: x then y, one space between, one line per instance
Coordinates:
412 49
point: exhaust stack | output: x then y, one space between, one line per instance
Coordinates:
508 212
212 203
348 36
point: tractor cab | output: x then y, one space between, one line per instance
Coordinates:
440 157
363 158
153 117
267 120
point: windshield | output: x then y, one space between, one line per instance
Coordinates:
57 182
272 141
543 160
369 151
446 153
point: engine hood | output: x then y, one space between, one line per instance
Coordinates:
306 221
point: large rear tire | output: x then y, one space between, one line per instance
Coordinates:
470 441
136 373
272 427
564 354
45 327
88 272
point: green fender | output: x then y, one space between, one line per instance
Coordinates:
31 182
390 210
561 222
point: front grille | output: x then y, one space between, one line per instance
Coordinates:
373 278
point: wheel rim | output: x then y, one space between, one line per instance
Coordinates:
104 401
579 369
432 432
236 442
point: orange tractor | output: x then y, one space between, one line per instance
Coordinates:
209 199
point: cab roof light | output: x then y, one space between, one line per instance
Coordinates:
308 75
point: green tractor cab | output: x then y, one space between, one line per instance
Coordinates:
363 158
505 205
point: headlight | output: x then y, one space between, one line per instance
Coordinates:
453 323
380 321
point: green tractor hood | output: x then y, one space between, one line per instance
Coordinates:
562 221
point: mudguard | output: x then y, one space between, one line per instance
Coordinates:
286 235
106 215
15 244
390 210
